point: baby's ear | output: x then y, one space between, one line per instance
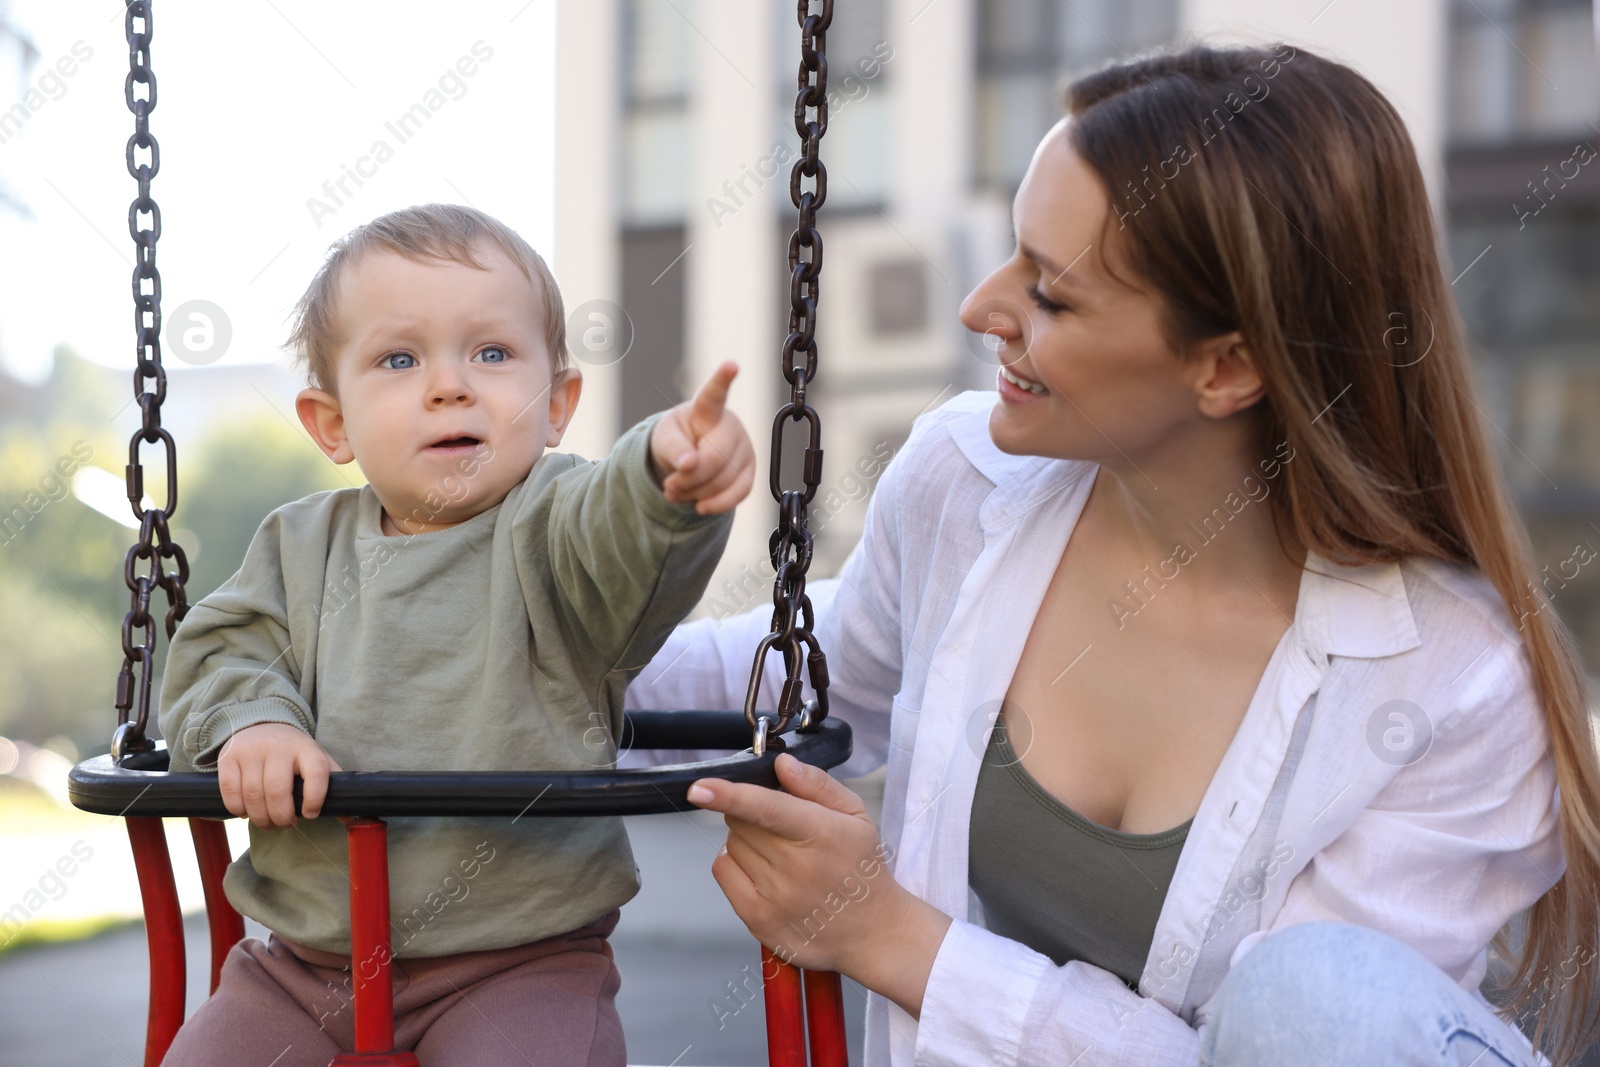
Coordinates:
565 388
323 419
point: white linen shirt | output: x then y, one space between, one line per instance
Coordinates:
1304 820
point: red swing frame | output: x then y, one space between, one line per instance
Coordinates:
804 1008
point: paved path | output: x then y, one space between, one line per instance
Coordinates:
83 1005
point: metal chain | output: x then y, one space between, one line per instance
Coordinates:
155 544
791 543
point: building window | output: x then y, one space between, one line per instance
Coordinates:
899 296
655 120
1523 200
654 194
653 294
858 147
1025 50
1521 69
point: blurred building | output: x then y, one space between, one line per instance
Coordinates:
1523 192
675 135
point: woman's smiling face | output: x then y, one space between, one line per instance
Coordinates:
1099 381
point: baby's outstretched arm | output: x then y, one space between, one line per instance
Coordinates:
256 770
700 451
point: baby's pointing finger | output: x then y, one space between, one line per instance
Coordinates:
712 398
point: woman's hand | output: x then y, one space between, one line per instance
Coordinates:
806 872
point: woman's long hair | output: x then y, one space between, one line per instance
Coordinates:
1275 192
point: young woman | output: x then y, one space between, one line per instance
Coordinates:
1223 718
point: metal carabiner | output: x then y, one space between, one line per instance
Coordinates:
792 657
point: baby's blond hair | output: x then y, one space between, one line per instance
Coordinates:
424 232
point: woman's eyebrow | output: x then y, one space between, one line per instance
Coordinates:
1060 274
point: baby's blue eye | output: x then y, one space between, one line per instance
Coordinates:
503 354
385 361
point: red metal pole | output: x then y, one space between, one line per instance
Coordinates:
163 925
786 1039
825 1019
369 949
227 928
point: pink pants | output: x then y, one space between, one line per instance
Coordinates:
550 1003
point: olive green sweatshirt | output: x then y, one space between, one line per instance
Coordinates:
502 643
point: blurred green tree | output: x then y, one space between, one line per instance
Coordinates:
62 596
240 472
60 562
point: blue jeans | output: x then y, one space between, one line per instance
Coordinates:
1327 994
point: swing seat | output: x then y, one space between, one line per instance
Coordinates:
800 1004
140 784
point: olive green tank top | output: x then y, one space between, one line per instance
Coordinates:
1057 882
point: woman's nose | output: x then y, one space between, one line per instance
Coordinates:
988 311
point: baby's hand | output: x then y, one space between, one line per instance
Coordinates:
256 772
700 451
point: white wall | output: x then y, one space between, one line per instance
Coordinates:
586 256
734 260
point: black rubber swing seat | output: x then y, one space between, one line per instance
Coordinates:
142 786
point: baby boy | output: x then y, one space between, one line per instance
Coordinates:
479 604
